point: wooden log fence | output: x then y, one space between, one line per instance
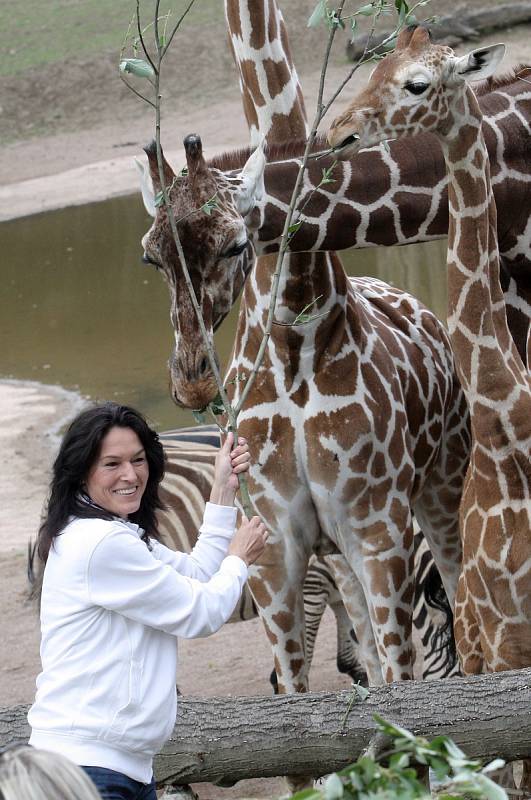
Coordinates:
224 740
462 25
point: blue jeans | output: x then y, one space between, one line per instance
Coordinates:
116 786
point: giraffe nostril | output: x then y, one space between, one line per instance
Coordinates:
349 140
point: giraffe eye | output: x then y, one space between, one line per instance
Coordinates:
235 250
416 87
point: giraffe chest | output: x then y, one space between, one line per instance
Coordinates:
347 419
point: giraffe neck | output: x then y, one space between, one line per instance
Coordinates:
487 359
274 108
271 92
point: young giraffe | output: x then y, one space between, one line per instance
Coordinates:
423 86
274 109
355 421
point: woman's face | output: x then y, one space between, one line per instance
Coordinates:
118 477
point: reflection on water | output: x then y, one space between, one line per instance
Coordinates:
79 309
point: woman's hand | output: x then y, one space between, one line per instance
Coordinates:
229 464
249 540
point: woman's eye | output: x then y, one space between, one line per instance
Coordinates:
139 460
416 88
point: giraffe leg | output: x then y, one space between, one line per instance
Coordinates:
381 556
466 629
353 596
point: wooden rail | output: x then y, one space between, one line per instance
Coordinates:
228 739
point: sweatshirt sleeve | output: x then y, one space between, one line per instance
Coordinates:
210 549
124 576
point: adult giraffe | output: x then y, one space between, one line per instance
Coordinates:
274 108
423 86
356 419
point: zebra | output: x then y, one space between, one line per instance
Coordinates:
190 455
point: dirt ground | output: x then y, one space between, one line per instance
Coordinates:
86 155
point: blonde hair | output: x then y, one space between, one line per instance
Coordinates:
30 774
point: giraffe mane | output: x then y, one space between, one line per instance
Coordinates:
277 151
280 151
500 81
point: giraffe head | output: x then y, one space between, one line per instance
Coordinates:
209 208
412 90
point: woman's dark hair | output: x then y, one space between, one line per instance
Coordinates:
78 452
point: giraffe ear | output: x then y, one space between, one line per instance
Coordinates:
252 181
480 63
146 187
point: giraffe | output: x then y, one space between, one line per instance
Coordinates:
275 112
274 108
356 421
424 86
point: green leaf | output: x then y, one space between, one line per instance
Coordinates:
216 405
327 175
402 10
159 199
366 11
361 692
333 21
294 227
199 416
138 67
307 794
209 206
353 24
399 761
333 788
489 789
318 15
440 767
393 730
304 317
498 763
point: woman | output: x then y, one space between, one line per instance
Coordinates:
114 599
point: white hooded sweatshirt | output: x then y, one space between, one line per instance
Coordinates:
110 612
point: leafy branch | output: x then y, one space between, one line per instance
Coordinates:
455 775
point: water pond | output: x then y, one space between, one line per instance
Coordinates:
79 309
